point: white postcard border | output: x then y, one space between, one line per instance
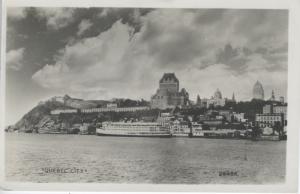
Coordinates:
293 94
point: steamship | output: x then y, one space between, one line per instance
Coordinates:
134 129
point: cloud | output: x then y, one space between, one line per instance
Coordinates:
16 13
56 18
52 76
14 59
206 50
83 26
104 12
89 61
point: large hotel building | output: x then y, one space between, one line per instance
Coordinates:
168 94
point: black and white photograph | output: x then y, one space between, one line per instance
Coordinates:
146 95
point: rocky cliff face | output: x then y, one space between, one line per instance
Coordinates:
39 119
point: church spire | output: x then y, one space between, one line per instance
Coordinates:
198 102
272 96
233 97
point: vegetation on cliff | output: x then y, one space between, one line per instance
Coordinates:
40 120
37 116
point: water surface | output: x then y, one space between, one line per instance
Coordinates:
143 160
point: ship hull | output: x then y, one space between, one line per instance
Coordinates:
135 135
125 133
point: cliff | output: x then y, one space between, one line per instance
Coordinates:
39 118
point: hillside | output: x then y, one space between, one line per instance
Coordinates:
39 119
36 117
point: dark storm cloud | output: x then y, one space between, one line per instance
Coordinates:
176 50
252 23
206 17
234 58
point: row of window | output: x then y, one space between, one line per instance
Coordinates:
269 118
136 129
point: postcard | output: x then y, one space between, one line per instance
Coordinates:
150 96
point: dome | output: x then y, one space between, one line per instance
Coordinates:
218 94
258 91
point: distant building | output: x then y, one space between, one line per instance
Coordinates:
78 103
57 99
233 97
213 123
63 111
269 120
216 100
281 99
276 109
168 95
239 117
268 109
227 114
111 105
272 96
198 101
114 109
281 109
258 91
42 102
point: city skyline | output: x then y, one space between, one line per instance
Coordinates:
122 53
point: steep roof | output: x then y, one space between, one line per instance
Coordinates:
168 76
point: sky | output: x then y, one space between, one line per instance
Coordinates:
105 53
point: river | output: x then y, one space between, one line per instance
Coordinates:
79 158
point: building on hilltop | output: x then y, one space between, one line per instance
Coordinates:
272 96
258 91
281 99
57 99
74 102
198 101
168 94
216 100
233 97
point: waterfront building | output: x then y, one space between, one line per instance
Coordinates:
258 91
269 120
213 123
168 94
281 109
276 108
